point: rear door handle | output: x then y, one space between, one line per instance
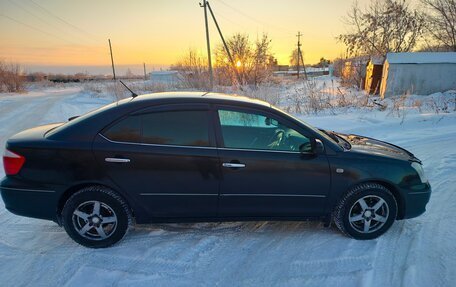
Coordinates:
117 160
233 165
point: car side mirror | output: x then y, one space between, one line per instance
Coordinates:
318 147
315 146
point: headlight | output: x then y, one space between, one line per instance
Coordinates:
419 169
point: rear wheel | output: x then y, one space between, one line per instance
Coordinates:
366 211
96 217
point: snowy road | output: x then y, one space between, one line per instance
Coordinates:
416 252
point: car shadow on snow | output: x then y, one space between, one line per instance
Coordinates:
240 228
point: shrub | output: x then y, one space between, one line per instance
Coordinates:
11 77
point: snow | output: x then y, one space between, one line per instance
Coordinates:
415 252
421 58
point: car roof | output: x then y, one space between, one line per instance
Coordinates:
202 97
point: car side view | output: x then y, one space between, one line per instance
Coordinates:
192 157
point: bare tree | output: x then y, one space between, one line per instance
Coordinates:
253 61
193 70
11 77
262 60
384 26
294 58
442 22
241 51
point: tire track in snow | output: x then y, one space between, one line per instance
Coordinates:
337 265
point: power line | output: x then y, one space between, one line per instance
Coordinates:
229 20
240 12
37 17
252 18
62 20
289 37
37 29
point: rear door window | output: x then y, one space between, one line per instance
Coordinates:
184 128
187 128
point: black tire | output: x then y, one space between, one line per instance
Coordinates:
349 209
79 212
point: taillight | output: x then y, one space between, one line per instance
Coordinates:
12 162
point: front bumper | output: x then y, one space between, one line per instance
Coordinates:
36 202
416 200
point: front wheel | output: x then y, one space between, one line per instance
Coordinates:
96 217
366 211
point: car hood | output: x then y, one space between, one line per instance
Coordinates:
366 145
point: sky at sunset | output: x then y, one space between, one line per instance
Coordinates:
71 36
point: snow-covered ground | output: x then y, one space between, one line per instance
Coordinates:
415 252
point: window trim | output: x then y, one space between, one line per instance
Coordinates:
200 147
219 134
157 145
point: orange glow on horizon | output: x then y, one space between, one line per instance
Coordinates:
160 32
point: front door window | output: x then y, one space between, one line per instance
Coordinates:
242 130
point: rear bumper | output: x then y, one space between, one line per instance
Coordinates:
29 201
416 200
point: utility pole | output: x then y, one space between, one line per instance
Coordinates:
145 77
225 45
299 50
300 58
204 5
112 60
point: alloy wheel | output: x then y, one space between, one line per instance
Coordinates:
368 214
94 220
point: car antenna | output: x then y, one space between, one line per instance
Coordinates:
133 94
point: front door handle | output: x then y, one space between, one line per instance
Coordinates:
233 165
117 160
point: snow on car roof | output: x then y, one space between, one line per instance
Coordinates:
421 58
199 95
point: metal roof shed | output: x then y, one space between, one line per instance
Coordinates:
420 73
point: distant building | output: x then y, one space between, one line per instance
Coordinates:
418 73
310 71
281 68
165 77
